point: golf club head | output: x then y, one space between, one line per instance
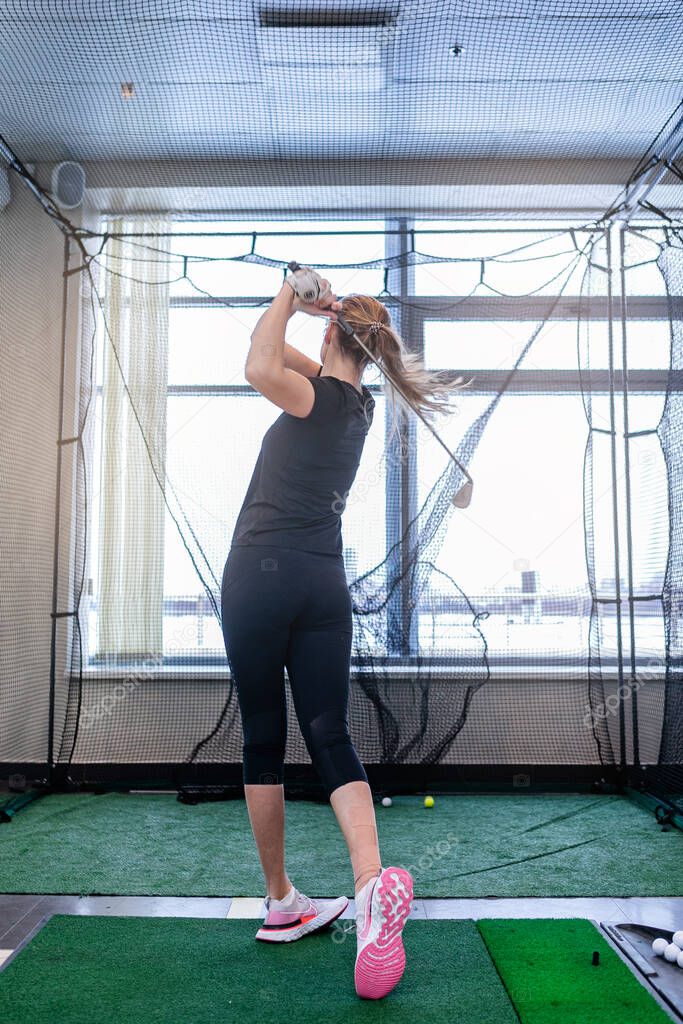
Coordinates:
463 497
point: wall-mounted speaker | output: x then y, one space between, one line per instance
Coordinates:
4 188
68 184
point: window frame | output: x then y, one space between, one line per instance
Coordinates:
410 313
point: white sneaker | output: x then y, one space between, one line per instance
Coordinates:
295 916
382 908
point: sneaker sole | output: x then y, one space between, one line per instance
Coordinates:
317 923
381 963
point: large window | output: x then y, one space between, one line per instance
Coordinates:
518 552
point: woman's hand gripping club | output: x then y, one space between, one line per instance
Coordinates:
313 292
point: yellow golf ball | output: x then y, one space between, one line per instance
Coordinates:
429 801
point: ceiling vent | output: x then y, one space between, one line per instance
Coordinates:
327 16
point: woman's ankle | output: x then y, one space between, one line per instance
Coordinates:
278 889
365 877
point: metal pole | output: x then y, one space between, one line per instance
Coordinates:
399 480
409 465
615 502
58 493
50 207
652 168
627 480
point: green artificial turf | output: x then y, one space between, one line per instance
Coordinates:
469 845
547 969
78 970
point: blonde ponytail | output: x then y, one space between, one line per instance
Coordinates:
427 392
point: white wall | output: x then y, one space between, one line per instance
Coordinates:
31 298
448 187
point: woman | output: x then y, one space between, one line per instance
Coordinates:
286 604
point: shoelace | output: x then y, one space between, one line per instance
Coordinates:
309 905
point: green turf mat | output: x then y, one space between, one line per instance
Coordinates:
79 970
547 969
526 845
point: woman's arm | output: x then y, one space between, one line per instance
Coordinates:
266 369
296 360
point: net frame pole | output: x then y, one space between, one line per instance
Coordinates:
615 496
653 167
409 468
622 228
57 522
649 173
400 475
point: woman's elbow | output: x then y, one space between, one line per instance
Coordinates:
252 364
250 373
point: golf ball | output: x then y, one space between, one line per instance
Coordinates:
429 801
658 946
671 953
678 939
679 958
386 801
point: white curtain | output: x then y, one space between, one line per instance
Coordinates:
135 375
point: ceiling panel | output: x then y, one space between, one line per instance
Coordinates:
136 50
576 120
304 62
567 49
535 79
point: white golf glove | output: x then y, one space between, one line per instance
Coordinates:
308 285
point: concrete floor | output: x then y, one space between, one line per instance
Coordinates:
22 915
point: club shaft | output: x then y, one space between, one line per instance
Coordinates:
347 329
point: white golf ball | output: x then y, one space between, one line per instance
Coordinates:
386 801
678 939
679 958
658 947
671 953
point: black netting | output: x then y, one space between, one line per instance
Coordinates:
669 773
474 166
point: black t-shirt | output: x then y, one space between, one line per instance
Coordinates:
304 471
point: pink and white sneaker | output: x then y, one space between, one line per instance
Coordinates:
382 908
295 916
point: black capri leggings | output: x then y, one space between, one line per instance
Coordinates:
284 608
